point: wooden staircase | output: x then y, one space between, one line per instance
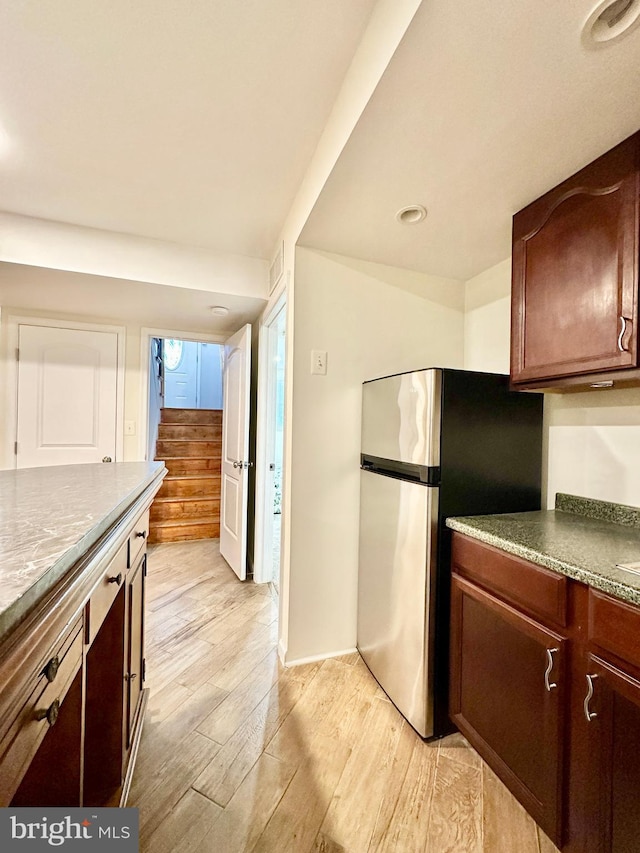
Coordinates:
188 503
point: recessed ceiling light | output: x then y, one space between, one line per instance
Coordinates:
609 21
220 310
411 214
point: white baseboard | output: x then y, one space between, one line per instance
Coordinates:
315 658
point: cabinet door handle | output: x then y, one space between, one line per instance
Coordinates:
550 685
589 714
49 714
623 329
115 579
141 534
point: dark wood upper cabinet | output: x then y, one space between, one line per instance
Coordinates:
575 274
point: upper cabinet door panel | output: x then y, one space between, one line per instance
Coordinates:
575 273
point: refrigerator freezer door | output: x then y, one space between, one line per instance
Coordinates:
401 417
398 524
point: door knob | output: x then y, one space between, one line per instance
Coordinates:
107 459
51 669
49 714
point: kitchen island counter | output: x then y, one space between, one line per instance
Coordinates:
72 662
51 517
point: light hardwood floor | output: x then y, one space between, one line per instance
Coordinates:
240 754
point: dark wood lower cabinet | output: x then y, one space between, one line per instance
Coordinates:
54 775
69 726
135 654
508 697
553 708
105 698
612 717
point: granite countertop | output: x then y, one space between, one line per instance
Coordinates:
50 517
582 538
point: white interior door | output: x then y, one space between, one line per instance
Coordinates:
181 374
67 396
235 450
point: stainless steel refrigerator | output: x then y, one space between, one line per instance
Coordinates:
435 443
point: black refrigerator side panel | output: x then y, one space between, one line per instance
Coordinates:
491 462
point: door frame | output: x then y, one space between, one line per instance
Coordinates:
14 321
145 344
265 436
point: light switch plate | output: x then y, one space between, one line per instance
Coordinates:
318 362
129 427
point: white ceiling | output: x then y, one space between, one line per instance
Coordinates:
484 107
192 121
122 301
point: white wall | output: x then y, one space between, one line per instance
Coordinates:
210 392
591 439
487 318
386 27
369 328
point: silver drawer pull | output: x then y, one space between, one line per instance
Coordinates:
550 685
590 715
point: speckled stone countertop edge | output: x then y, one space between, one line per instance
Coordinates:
629 516
22 606
619 590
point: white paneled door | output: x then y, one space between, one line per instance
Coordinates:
67 396
235 450
181 374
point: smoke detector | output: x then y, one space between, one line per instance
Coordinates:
219 311
610 21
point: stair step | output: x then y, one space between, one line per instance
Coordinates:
189 432
184 530
191 464
198 484
191 416
171 508
168 447
188 503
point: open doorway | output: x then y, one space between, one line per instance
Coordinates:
275 353
185 431
182 375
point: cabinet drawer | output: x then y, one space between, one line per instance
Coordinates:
615 626
39 712
104 594
536 590
138 538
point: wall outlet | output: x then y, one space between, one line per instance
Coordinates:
318 362
129 427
